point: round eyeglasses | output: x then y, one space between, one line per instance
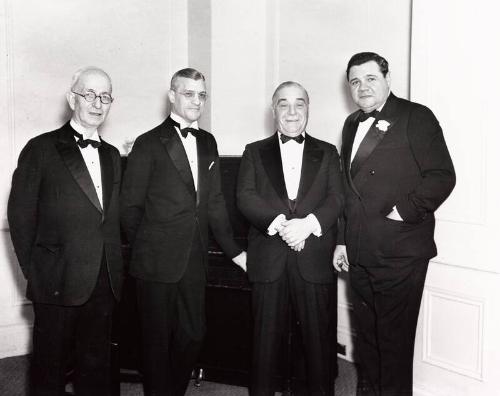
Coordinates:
91 96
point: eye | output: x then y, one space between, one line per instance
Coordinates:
354 83
300 105
189 94
90 96
371 79
202 95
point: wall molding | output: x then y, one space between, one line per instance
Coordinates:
433 295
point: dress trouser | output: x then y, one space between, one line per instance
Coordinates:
386 303
315 306
78 334
173 327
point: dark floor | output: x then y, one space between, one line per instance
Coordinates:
13 376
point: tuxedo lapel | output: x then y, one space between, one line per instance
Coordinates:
311 161
374 137
375 134
271 161
107 174
72 158
175 150
346 152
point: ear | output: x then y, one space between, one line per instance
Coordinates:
70 97
388 78
171 96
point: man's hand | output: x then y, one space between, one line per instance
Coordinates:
241 260
340 260
295 231
298 247
277 225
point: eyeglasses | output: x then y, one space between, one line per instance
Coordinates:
190 95
91 96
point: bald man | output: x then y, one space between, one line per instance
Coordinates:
63 214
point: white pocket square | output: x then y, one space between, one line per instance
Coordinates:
211 164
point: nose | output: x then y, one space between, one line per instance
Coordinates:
363 85
292 110
97 103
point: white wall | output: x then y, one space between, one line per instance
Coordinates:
455 63
40 48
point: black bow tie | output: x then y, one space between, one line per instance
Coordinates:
299 138
185 131
364 116
85 142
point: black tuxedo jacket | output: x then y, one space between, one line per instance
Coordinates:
58 227
409 167
162 211
262 195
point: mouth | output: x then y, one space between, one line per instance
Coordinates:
94 114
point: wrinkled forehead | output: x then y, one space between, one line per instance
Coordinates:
94 80
291 94
365 69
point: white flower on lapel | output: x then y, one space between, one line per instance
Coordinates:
382 125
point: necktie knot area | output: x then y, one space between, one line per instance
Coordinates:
364 116
185 131
85 142
299 139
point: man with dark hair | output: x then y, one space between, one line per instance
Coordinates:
171 193
291 191
397 171
64 222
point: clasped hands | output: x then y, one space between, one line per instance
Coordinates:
294 232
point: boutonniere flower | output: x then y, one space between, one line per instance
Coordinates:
383 125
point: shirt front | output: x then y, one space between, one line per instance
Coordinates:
291 159
189 144
91 157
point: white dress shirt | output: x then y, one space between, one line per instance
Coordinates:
189 143
291 158
91 157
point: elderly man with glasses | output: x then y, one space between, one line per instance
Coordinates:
171 194
63 214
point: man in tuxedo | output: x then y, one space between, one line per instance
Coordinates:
397 171
63 214
171 193
290 189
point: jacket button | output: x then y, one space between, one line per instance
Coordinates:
56 293
372 172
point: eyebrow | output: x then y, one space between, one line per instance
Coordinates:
285 100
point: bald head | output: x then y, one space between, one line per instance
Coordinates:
85 71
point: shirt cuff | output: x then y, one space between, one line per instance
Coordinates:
272 229
313 220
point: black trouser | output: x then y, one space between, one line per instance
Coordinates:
386 302
315 306
81 332
173 328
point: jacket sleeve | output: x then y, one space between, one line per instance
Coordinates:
436 167
22 208
258 212
134 188
331 207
